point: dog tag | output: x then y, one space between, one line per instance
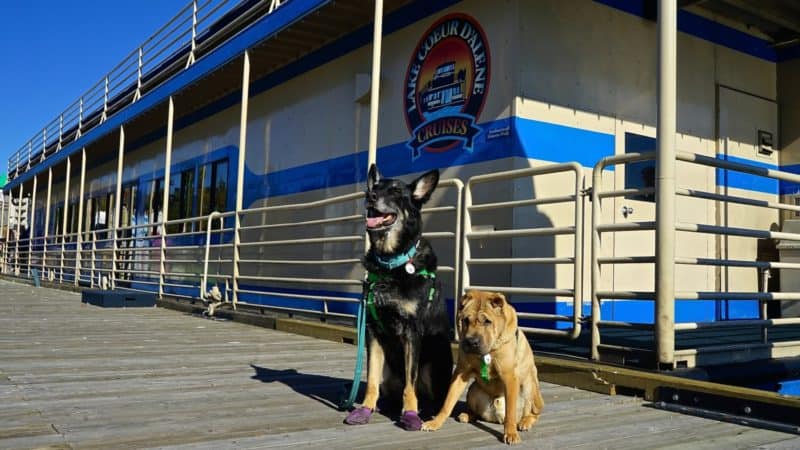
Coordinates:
410 269
487 359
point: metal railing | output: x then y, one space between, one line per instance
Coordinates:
197 28
598 261
572 198
303 257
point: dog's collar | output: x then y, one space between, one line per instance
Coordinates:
487 359
396 261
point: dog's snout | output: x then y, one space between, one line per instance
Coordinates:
472 341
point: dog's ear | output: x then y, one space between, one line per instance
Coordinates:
373 177
498 300
466 298
422 187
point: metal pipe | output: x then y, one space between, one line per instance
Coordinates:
65 218
7 205
665 184
165 198
47 216
377 34
117 206
19 222
237 221
79 238
32 224
597 181
204 282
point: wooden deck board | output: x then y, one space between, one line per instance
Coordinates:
76 376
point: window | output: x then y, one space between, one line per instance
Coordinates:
72 225
213 178
181 196
640 174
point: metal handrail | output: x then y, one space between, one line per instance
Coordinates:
575 229
598 229
128 80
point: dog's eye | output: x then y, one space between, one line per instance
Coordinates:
394 190
486 322
465 322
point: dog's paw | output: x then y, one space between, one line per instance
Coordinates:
511 437
410 421
358 416
527 422
464 418
431 425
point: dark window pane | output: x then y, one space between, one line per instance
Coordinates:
641 174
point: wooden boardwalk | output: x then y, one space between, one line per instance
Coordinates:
77 376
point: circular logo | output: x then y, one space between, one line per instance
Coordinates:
446 84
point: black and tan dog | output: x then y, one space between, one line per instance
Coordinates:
408 344
498 356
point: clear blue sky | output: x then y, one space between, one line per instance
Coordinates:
51 51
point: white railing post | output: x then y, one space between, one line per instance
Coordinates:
47 218
80 118
65 220
117 204
60 131
31 227
44 143
79 239
162 267
19 230
94 258
665 185
240 176
190 61
138 93
105 101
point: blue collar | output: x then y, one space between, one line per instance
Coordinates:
397 261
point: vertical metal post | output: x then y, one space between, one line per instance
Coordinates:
65 221
79 239
377 34
44 143
94 257
665 184
194 33
80 118
19 222
597 183
32 223
105 101
30 152
165 200
47 218
240 175
117 204
60 130
138 93
7 205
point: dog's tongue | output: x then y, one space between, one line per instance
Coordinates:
373 222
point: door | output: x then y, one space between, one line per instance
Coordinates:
641 207
743 119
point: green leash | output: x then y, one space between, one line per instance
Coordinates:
368 302
361 326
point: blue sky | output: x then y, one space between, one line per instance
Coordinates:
51 51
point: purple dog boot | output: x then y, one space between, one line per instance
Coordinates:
410 421
358 416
